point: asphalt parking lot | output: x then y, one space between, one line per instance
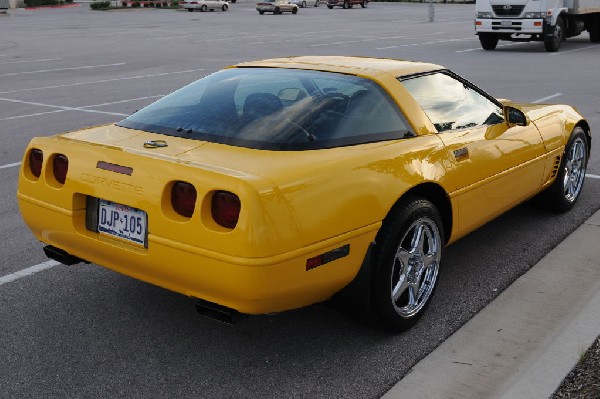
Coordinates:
84 331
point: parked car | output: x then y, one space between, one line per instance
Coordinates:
347 3
276 7
205 5
306 3
276 184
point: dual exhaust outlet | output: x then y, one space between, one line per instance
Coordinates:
211 310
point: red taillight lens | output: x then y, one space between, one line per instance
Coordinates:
226 209
60 167
183 198
36 159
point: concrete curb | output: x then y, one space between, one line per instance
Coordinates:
528 339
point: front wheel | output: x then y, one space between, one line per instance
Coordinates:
346 4
276 11
261 12
552 43
190 9
364 4
203 8
488 41
317 3
303 5
330 7
224 8
566 189
407 258
294 10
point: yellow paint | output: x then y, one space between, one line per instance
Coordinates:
295 204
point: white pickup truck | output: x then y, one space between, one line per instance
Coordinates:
550 21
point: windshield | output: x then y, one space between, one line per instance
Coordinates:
276 109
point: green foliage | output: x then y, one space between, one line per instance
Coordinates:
37 3
100 5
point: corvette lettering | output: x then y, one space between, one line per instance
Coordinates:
114 184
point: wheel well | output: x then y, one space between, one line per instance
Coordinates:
586 128
438 197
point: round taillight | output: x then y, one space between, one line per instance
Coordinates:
226 208
60 167
36 159
183 198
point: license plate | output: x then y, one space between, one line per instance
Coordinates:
506 23
122 221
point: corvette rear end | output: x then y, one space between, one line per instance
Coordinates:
161 215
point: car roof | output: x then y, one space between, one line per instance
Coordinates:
366 66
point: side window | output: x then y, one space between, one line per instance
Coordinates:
451 104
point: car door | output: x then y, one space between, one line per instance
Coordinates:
493 165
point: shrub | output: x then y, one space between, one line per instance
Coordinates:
100 5
135 4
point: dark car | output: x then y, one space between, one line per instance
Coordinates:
347 3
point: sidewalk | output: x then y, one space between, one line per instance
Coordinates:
528 339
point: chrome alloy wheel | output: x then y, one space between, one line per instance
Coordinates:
416 266
575 166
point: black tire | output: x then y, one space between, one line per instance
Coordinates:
261 12
303 5
224 8
276 11
364 4
566 189
407 256
350 6
233 1
294 10
488 41
552 43
190 9
203 8
330 7
594 29
317 3
346 4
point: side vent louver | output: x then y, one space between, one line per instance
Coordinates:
555 166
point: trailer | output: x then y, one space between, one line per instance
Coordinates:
550 21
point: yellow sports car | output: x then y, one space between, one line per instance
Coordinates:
276 184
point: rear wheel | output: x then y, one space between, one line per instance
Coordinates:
408 253
317 3
190 9
224 8
303 5
276 11
203 8
552 43
346 4
294 10
330 7
564 192
364 4
488 41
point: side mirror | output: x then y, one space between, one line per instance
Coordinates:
515 116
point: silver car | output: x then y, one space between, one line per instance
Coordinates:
205 5
276 7
306 3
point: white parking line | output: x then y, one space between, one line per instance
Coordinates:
541 100
424 44
28 272
592 176
62 69
10 165
63 109
577 49
100 81
23 62
479 48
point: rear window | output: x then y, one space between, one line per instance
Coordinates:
275 109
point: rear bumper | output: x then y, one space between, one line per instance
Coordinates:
509 26
248 285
